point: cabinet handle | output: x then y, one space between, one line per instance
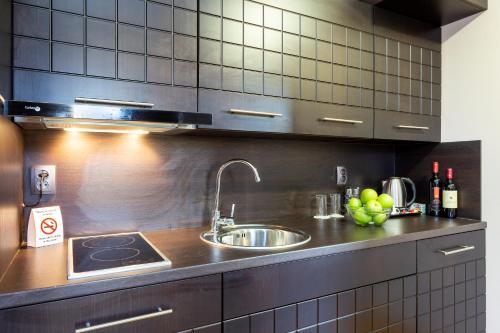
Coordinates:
255 113
345 121
113 102
459 249
90 328
420 128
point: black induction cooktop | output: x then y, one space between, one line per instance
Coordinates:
106 254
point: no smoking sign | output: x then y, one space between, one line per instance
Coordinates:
45 226
48 226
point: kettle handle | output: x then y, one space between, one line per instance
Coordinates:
413 188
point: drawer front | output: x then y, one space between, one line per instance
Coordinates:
257 289
331 120
59 88
193 303
244 112
450 250
407 126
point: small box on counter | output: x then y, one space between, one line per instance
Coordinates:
413 209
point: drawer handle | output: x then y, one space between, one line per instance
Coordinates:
113 102
255 113
90 328
459 249
420 128
344 121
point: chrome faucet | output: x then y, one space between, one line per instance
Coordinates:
219 221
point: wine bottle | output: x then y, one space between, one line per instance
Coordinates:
450 196
435 185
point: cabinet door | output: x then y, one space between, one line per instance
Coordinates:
278 67
245 112
388 306
407 126
452 283
262 288
163 308
129 50
407 78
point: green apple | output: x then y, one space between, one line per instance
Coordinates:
373 207
379 219
386 201
368 194
354 204
361 217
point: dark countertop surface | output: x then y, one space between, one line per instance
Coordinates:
40 275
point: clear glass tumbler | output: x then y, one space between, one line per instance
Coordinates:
321 207
335 205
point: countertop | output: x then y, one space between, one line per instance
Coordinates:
40 275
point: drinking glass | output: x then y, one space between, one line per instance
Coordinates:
321 207
335 205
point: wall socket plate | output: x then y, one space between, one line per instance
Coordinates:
341 175
49 185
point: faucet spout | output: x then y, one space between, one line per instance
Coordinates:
216 219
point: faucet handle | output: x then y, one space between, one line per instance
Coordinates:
232 210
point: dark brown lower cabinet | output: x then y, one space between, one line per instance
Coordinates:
378 290
435 285
453 299
262 288
452 284
389 307
163 308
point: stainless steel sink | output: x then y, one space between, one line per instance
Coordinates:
257 237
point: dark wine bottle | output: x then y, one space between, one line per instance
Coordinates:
450 196
435 184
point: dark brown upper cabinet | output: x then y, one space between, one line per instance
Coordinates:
129 50
336 68
6 50
437 12
407 78
286 67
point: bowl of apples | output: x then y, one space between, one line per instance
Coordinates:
370 208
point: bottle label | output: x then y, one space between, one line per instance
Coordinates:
450 199
436 191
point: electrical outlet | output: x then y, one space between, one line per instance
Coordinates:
49 183
341 175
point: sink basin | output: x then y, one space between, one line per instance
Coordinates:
257 237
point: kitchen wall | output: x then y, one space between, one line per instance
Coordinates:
11 159
11 166
415 161
109 183
470 102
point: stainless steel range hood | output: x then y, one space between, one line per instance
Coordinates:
95 115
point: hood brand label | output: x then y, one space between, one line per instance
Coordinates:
30 107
